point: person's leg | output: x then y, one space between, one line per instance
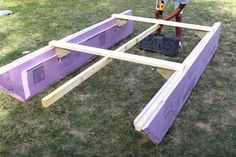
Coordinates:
178 18
178 30
158 14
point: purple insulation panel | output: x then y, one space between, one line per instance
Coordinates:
35 72
172 96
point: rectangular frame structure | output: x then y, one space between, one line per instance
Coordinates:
158 115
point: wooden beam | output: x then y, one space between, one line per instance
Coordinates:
163 22
61 52
74 82
200 34
138 38
121 22
165 73
117 55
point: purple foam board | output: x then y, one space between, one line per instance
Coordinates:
35 72
167 109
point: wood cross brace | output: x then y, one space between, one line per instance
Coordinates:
165 68
108 56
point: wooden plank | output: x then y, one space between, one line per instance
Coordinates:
74 82
118 55
121 22
61 52
163 22
138 38
157 117
71 84
165 73
200 34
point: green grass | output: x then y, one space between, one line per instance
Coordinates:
95 119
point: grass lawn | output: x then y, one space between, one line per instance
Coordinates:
96 118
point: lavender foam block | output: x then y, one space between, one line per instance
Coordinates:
29 75
170 99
